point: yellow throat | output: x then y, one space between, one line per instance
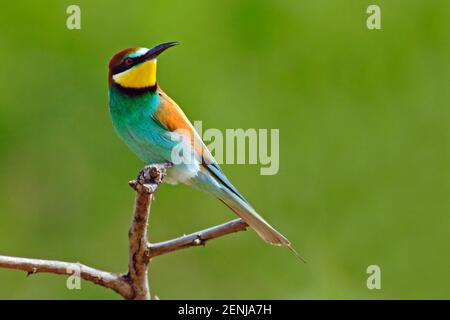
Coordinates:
141 76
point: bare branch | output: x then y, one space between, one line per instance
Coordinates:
133 285
145 185
196 238
106 279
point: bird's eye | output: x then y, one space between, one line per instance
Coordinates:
128 61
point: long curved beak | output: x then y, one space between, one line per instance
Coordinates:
160 48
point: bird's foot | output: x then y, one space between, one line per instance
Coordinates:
150 177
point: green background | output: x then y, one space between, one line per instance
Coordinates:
364 144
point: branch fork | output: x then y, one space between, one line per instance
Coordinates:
134 284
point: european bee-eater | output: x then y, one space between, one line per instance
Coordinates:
147 119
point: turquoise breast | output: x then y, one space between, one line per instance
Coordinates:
132 117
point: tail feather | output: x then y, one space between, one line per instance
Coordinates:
244 210
215 182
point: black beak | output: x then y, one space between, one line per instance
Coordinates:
157 50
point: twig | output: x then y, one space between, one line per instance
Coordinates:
106 279
145 185
134 284
197 238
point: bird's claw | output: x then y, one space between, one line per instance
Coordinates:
150 177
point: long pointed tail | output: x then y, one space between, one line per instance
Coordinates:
213 181
244 210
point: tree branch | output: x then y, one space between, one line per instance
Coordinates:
197 238
145 185
133 285
109 280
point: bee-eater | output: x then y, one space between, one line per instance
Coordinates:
147 119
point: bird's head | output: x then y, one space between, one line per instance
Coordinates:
135 68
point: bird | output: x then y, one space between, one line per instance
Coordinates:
152 125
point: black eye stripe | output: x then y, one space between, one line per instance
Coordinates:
123 66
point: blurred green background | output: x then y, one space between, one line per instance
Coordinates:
364 144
